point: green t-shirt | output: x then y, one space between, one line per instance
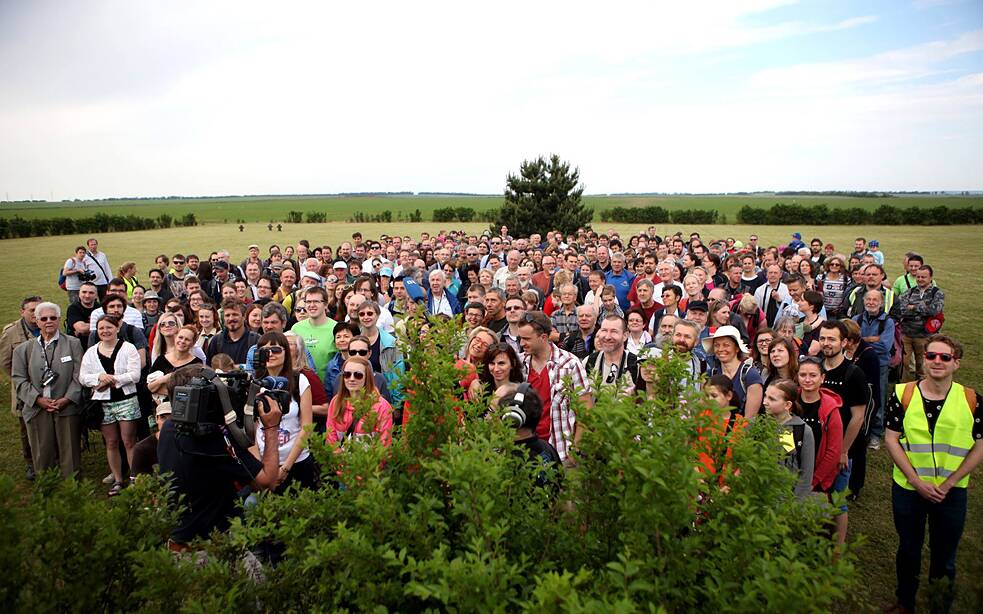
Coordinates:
319 340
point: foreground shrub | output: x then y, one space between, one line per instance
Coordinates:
448 519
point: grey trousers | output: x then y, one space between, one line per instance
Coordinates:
56 441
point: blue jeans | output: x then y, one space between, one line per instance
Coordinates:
945 527
877 421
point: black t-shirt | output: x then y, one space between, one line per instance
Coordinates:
164 366
79 313
848 381
498 325
208 476
894 416
810 415
109 366
144 456
238 350
543 455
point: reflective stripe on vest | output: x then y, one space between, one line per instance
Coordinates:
935 456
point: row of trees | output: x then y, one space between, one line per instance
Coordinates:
822 215
100 223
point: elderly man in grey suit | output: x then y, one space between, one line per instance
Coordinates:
45 373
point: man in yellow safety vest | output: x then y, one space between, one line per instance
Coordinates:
934 435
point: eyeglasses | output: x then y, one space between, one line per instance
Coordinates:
366 314
943 356
273 349
356 375
515 308
358 352
47 318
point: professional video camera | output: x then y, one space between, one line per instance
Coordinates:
231 399
86 276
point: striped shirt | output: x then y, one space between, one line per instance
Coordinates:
561 367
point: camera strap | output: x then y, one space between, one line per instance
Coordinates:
244 439
44 350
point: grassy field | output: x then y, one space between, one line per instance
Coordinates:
265 209
953 251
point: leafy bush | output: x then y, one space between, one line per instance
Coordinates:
316 217
447 519
694 216
294 217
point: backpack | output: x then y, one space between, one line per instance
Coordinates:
897 348
741 376
61 279
909 391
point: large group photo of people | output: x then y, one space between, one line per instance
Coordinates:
819 337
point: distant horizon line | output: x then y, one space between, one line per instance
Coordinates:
789 193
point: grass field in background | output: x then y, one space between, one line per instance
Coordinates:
264 209
953 251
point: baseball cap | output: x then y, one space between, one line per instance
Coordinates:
875 243
164 409
253 246
340 264
221 264
386 272
796 235
697 306
311 275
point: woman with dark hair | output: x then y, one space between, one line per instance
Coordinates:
810 305
832 283
783 357
341 315
296 463
469 276
759 351
502 366
808 270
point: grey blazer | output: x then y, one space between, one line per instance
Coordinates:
66 359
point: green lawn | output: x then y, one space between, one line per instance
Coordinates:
264 209
953 251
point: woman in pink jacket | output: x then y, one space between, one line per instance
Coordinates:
358 383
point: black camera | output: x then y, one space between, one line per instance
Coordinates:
209 401
86 276
271 387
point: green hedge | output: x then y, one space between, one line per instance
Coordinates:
18 227
782 214
462 214
655 214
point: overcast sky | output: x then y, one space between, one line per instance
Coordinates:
132 98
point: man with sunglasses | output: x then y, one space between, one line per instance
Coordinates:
934 434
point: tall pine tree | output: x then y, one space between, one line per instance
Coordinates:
543 196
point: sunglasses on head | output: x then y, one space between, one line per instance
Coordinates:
358 352
815 360
357 375
943 356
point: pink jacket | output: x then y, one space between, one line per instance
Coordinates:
337 427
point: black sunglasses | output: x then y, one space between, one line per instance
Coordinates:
358 352
358 375
943 356
274 349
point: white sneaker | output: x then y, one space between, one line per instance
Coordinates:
109 479
874 444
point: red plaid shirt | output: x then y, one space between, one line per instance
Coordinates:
560 366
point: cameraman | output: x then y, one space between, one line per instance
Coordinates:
210 469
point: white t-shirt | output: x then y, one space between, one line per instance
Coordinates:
290 428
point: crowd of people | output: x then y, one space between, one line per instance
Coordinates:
819 339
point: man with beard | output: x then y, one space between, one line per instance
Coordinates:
235 340
617 366
848 381
684 340
732 287
874 276
79 313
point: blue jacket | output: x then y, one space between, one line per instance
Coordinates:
391 361
871 327
451 299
